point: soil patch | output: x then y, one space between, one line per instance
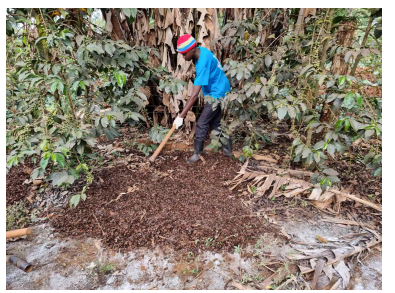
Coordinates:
15 189
169 203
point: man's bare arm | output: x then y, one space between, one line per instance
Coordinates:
191 101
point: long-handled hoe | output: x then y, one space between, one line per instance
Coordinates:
162 144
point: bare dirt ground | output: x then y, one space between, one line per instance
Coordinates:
67 263
171 225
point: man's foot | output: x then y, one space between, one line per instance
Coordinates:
193 159
198 149
227 149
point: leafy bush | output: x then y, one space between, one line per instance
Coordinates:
65 89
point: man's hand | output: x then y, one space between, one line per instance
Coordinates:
191 100
178 122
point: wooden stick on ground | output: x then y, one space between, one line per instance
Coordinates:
346 222
353 197
17 233
104 234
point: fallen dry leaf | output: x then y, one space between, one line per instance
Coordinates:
321 239
264 158
344 272
203 160
27 171
37 182
315 194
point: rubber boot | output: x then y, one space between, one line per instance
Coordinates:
198 149
227 149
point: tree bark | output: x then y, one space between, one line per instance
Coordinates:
345 38
365 38
299 23
116 25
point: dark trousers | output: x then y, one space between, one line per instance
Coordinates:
209 118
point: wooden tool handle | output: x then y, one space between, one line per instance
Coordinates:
19 232
162 144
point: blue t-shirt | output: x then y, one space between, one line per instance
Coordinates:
210 75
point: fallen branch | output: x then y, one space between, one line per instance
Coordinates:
295 173
130 190
118 197
104 234
268 268
353 197
346 222
226 238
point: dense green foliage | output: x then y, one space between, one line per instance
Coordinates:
279 82
58 106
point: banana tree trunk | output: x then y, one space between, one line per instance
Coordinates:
113 21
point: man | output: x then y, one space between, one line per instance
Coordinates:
213 81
